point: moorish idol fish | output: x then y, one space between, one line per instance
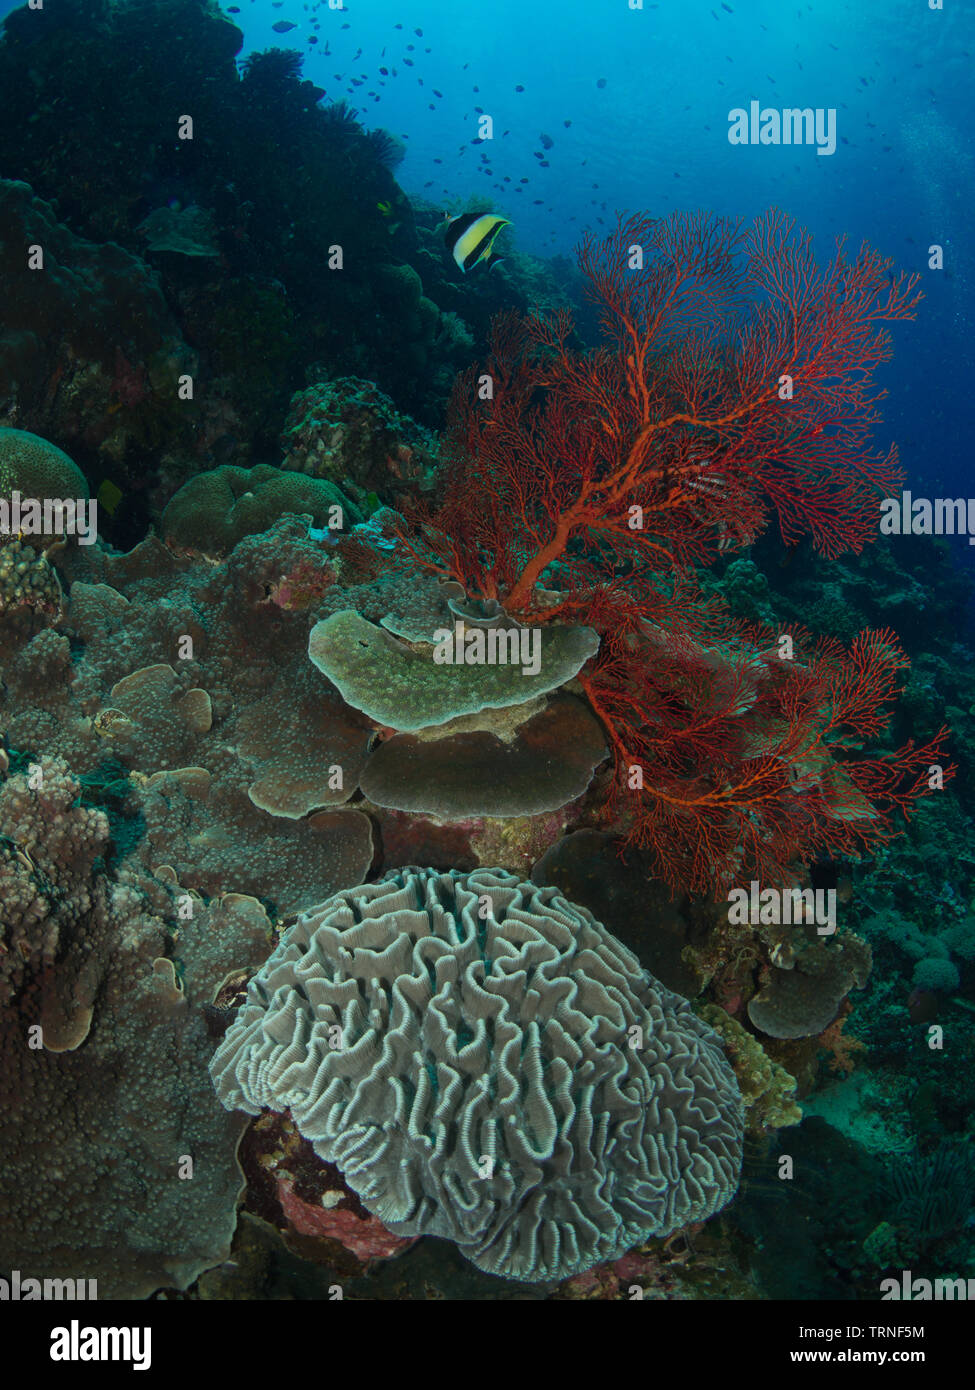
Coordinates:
470 237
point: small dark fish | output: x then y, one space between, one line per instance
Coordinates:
600 82
519 88
546 141
384 72
233 9
282 26
408 62
567 124
437 94
418 33
312 39
726 7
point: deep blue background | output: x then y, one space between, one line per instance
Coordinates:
655 137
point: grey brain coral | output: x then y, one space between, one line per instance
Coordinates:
506 1038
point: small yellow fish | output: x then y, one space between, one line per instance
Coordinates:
109 496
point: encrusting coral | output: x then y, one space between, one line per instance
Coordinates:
118 1166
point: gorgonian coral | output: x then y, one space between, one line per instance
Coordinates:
734 385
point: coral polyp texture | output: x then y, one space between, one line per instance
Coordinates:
486 1063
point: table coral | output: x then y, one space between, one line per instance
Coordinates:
800 1001
546 762
406 690
463 1048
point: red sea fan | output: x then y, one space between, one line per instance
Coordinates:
734 386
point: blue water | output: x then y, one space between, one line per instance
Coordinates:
655 137
647 95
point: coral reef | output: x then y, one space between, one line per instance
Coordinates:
599 471
536 763
349 431
29 585
799 1001
38 468
90 353
237 719
214 510
768 1092
541 1131
118 1164
406 690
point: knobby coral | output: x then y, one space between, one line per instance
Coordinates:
484 1062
